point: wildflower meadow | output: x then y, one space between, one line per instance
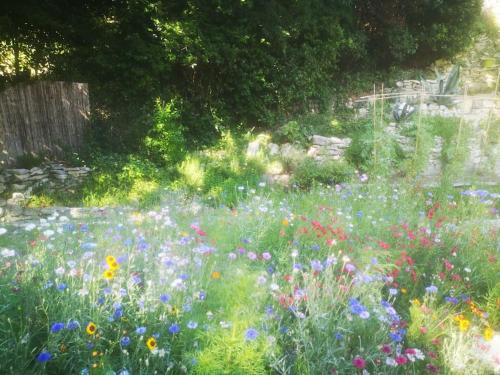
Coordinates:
365 278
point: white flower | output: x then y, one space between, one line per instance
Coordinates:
60 271
29 227
48 232
3 231
7 253
391 362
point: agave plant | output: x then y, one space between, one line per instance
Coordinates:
447 86
402 111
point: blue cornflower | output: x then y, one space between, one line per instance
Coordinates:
432 289
68 227
125 341
124 372
202 295
164 298
316 265
174 328
452 300
56 327
192 324
118 313
44 356
140 330
61 287
283 329
72 325
339 336
251 334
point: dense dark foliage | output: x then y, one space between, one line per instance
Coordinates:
245 63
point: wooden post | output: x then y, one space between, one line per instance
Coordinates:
374 125
419 121
488 119
460 125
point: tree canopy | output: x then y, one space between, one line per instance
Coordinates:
247 61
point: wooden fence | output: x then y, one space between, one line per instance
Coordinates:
42 118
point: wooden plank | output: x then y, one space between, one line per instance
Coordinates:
42 118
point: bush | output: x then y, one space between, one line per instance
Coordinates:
310 172
165 143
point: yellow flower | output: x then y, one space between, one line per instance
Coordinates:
463 325
91 328
404 290
112 262
216 275
151 343
285 222
108 274
415 302
488 333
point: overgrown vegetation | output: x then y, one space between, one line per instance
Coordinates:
232 65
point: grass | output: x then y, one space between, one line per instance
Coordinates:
303 282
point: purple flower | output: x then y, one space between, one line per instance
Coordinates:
251 334
316 265
56 327
192 325
266 256
44 356
251 255
350 267
174 328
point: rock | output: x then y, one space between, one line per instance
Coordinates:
363 112
19 187
37 177
19 171
16 199
290 151
313 151
273 149
275 168
253 148
281 179
320 140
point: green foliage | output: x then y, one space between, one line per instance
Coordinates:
165 143
243 63
292 132
310 172
222 174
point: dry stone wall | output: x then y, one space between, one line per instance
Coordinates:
17 185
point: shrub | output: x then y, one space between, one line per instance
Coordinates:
310 172
165 142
